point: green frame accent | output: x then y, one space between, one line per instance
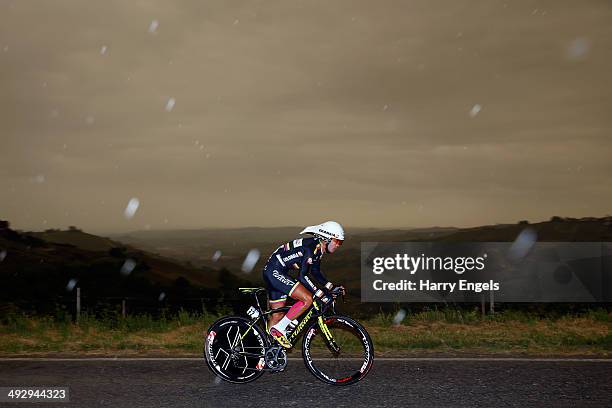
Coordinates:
314 310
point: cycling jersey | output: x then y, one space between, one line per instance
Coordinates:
303 255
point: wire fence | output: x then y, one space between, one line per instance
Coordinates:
79 303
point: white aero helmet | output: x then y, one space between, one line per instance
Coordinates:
327 231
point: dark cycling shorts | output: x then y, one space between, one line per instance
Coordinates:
279 283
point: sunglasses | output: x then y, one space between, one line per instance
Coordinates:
338 242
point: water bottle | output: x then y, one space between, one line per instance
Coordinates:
253 313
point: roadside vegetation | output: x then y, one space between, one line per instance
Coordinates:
446 331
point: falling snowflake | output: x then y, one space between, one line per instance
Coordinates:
127 267
399 317
90 119
475 110
250 261
523 243
236 21
131 208
170 104
39 178
2 255
103 50
162 296
385 107
578 48
71 284
216 256
153 26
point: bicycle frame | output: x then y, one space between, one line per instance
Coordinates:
315 310
261 352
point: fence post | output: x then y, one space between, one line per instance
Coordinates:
78 305
123 313
482 305
492 305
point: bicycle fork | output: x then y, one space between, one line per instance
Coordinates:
329 339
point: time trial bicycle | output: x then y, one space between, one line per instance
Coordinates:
336 349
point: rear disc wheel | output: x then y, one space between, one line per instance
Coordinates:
234 350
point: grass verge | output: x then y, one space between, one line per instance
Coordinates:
440 331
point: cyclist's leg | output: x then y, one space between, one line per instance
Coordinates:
303 299
279 286
277 300
279 281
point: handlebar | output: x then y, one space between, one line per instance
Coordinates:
331 295
338 291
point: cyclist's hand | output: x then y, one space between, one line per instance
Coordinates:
335 290
339 291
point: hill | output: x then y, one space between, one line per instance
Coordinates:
198 246
38 265
557 229
35 269
76 238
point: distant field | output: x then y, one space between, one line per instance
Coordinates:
449 331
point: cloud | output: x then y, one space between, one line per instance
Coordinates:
303 109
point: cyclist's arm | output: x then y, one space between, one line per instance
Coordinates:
310 263
315 270
307 261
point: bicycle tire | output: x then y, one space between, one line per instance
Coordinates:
227 365
357 348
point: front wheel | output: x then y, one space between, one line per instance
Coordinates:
234 349
343 360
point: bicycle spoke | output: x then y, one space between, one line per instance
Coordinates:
348 361
246 362
227 358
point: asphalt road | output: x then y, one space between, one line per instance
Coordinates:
422 383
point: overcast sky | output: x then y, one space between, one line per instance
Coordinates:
371 113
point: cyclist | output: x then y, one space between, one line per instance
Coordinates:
305 255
